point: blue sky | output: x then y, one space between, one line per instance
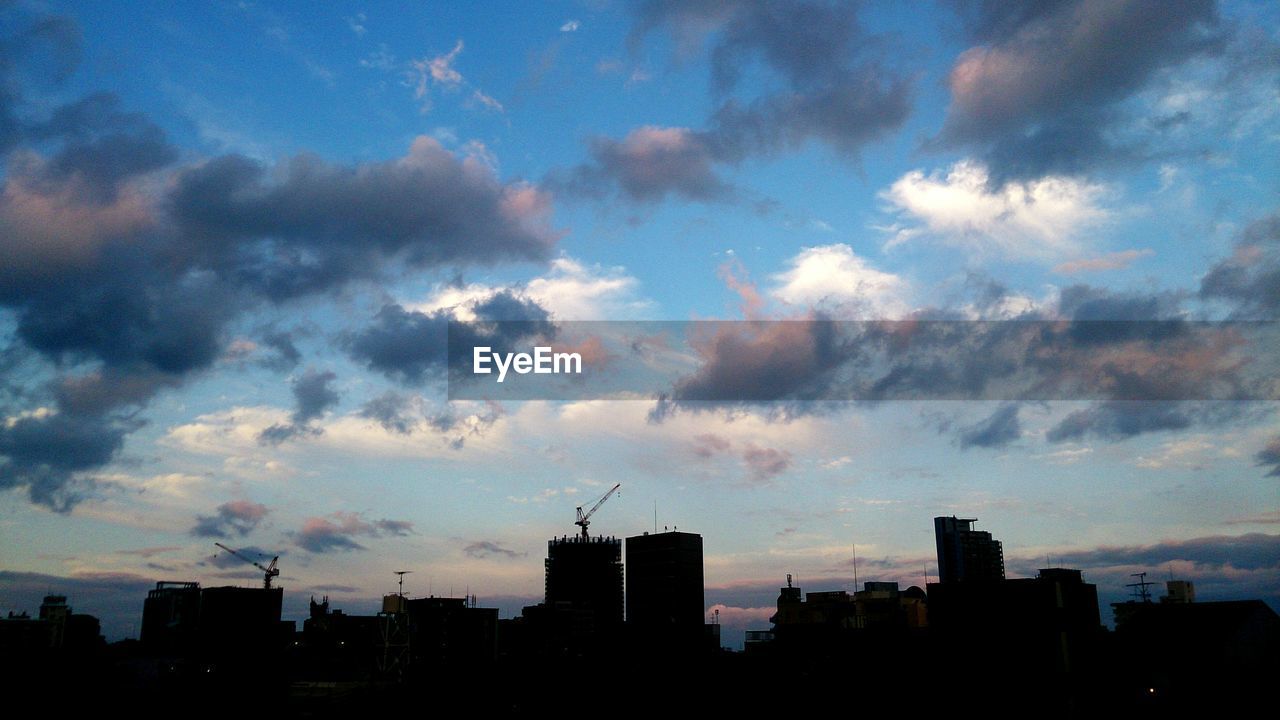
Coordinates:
226 228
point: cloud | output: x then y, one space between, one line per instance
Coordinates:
1121 420
1249 280
707 445
427 73
1110 261
390 411
1263 518
575 291
125 263
312 395
570 26
648 165
336 532
240 517
1269 456
413 347
832 88
825 85
998 430
1034 220
836 279
293 235
1041 91
287 355
764 463
482 549
1254 551
45 452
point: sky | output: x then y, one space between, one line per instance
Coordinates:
232 232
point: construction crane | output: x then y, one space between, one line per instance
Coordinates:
584 519
270 569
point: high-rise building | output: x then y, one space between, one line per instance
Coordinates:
584 585
171 616
182 617
664 586
965 554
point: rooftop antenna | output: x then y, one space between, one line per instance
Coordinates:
655 517
402 573
1140 588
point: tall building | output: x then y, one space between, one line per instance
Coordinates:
965 554
584 586
664 586
181 618
171 616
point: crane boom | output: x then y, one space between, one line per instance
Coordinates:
270 569
584 519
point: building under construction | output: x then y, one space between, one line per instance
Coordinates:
181 618
584 587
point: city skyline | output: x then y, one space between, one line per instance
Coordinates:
228 253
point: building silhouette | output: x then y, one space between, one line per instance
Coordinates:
171 617
584 591
181 618
965 554
1194 654
56 628
664 593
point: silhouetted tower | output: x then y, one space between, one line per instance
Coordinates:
965 554
664 586
584 579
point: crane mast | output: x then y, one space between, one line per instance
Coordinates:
584 519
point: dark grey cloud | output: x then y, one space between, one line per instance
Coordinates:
1146 368
308 225
337 532
405 345
482 549
287 356
103 146
1040 92
238 517
44 454
413 347
1120 420
392 411
1269 456
832 84
1249 280
648 165
1254 551
312 396
997 430
123 265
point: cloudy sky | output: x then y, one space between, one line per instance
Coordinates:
231 234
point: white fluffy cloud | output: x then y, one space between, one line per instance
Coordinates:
834 277
571 290
1039 219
